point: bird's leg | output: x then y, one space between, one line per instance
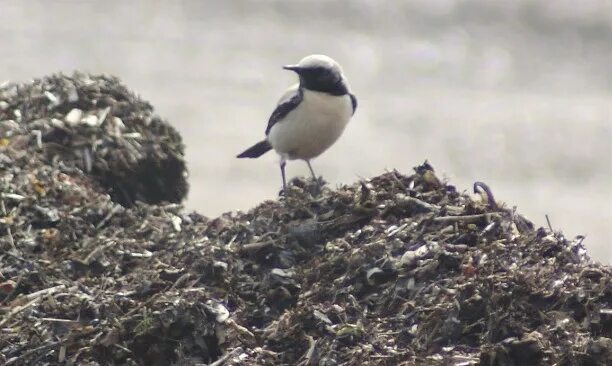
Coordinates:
314 177
282 167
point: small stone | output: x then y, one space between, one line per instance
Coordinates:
176 223
102 115
220 265
57 123
322 317
408 258
377 276
281 273
53 100
118 123
73 117
91 121
219 310
73 95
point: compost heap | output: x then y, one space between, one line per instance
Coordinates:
100 265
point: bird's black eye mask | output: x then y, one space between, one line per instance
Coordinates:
323 80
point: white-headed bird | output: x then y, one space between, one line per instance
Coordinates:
310 116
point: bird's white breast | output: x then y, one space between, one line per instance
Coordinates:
312 127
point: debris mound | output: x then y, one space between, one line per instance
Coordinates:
399 269
94 123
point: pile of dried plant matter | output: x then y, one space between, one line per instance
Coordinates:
398 269
96 124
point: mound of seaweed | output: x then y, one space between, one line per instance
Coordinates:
397 269
96 124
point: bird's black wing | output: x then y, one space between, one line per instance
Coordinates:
353 102
283 109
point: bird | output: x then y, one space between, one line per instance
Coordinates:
310 116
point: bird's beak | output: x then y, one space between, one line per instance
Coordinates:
295 68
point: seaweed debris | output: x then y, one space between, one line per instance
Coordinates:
394 270
96 124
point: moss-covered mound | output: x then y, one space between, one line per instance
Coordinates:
398 269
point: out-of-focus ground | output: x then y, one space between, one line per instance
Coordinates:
516 94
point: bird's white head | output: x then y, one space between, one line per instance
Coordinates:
318 61
320 73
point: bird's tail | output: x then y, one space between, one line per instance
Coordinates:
256 150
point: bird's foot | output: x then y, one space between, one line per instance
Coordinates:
283 193
299 186
316 188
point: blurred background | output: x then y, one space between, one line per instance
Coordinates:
516 94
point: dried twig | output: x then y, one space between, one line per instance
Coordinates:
46 291
116 208
33 297
8 227
466 219
415 204
223 358
310 357
253 247
57 320
480 186
17 310
548 222
25 355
